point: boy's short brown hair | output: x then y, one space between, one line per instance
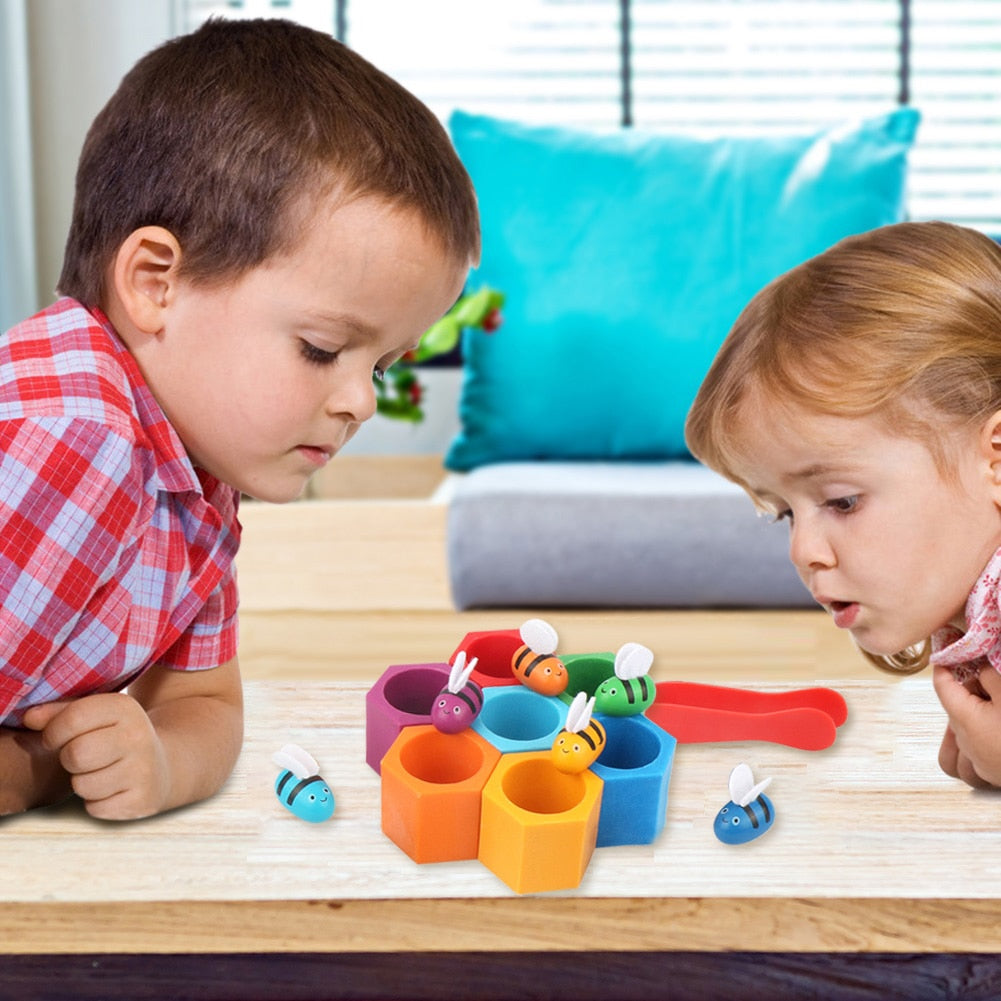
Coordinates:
227 135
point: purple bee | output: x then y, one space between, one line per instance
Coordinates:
460 701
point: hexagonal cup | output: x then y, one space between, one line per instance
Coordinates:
539 825
635 766
432 784
516 719
402 697
586 672
493 649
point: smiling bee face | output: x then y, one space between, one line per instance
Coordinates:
309 799
578 746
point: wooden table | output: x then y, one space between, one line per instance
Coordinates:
879 870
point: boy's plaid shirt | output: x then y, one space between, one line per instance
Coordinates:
114 553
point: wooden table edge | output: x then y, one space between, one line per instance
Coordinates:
513 925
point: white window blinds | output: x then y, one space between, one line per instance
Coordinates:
708 66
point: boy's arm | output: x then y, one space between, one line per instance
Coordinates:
198 716
172 740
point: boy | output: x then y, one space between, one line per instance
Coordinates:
262 221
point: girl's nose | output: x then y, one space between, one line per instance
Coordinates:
809 548
352 396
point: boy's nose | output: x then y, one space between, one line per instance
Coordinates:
353 396
809 549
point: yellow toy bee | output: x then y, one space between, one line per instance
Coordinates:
534 664
583 739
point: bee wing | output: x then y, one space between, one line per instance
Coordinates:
299 762
460 672
579 713
455 674
741 782
632 661
742 787
539 635
755 791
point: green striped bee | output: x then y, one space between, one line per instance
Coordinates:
630 692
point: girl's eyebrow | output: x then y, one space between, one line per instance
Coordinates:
812 471
817 470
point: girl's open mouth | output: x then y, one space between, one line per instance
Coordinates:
844 613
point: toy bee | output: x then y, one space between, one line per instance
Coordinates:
299 786
749 813
460 701
534 664
583 739
630 692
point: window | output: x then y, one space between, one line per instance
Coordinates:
700 65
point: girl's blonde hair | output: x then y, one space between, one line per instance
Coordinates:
903 321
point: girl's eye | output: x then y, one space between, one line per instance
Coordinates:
843 505
785 515
379 374
315 355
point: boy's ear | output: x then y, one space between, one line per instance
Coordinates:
144 276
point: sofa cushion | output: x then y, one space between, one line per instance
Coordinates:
608 534
625 257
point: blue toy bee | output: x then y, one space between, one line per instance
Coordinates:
749 813
630 691
299 786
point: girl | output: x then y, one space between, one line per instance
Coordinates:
858 398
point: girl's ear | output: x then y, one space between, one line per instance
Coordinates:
144 276
990 443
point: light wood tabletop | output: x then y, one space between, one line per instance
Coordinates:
878 878
872 850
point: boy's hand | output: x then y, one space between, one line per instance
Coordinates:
30 775
971 748
108 745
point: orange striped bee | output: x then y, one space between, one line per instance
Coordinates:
579 744
534 664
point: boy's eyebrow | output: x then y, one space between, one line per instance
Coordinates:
338 320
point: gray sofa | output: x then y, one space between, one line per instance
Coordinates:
613 534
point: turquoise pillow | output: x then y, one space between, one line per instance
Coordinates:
625 257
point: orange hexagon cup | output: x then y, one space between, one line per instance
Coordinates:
432 784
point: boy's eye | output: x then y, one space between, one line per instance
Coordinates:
378 373
315 355
843 505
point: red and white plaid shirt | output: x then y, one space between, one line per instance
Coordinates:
115 554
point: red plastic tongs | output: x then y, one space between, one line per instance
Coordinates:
693 713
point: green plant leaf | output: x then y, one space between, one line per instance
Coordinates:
439 338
